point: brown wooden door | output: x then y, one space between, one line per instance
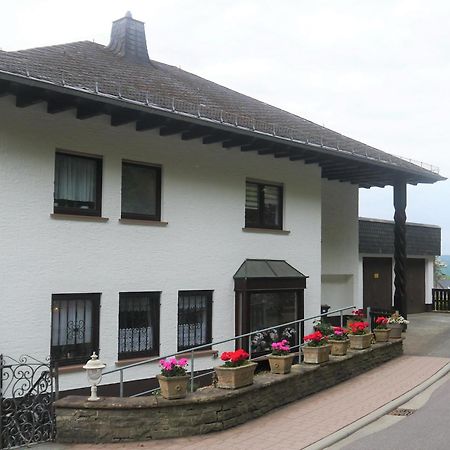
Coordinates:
415 285
377 283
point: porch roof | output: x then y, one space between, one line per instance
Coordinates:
267 268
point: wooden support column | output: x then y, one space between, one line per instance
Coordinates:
400 248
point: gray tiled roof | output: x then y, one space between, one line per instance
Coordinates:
377 237
93 67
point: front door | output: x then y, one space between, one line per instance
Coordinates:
377 283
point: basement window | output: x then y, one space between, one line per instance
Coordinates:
75 327
138 324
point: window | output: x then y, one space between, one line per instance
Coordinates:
141 191
75 325
263 205
138 324
78 185
194 318
268 309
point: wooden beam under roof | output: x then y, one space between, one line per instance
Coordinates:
174 127
27 97
4 88
123 117
216 137
150 123
195 133
235 142
87 110
256 145
60 104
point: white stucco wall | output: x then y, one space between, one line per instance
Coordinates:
340 281
203 197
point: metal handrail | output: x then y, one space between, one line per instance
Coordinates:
210 344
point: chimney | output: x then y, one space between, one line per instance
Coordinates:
128 39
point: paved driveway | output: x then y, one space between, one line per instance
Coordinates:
428 335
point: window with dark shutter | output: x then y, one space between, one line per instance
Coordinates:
263 205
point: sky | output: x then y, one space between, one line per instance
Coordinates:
375 70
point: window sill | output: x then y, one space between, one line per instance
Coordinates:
71 369
79 217
265 230
213 353
155 223
127 362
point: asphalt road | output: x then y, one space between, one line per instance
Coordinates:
428 427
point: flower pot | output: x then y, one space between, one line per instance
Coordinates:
360 341
338 348
173 387
382 335
316 355
281 364
235 377
396 330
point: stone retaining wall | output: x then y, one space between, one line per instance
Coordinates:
115 419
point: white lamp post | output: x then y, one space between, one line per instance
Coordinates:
94 369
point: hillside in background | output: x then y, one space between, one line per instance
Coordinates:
446 260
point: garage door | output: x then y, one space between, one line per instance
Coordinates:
415 285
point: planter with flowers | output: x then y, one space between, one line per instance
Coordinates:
173 380
358 315
280 360
316 349
381 329
359 336
339 341
396 324
237 370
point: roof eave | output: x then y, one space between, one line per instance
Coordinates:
411 175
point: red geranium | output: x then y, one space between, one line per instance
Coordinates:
315 339
358 327
381 322
234 359
358 314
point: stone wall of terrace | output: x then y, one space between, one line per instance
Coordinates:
209 409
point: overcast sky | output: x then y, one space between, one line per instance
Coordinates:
376 70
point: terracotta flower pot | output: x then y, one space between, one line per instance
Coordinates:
281 364
316 355
338 348
360 341
235 377
396 330
382 335
173 387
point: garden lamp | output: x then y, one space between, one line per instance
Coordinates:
94 369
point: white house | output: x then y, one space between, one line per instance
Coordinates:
132 192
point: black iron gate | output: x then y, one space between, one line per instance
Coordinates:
27 393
